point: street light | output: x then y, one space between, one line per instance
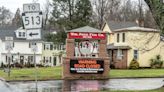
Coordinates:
18 56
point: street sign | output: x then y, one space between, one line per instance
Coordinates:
9 38
32 20
31 7
8 43
34 48
33 34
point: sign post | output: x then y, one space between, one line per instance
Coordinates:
32 20
9 47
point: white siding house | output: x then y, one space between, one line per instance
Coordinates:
21 52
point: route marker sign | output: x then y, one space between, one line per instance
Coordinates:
32 20
33 34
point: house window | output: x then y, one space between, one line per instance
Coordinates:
119 54
43 59
135 54
6 58
51 47
32 44
50 59
118 39
55 47
46 59
24 34
20 34
47 46
123 37
30 58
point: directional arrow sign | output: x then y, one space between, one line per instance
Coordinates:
33 34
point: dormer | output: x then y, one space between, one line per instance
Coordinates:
20 33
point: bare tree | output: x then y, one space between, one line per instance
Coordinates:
104 9
46 11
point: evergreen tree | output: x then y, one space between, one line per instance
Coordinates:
17 20
83 13
71 14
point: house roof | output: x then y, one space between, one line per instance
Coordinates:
86 29
111 46
10 31
114 25
137 29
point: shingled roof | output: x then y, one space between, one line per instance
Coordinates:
114 25
10 31
86 29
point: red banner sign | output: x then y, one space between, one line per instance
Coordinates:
77 35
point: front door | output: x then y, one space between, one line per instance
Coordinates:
21 60
54 62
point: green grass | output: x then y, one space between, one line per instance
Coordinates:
155 90
56 73
29 73
137 73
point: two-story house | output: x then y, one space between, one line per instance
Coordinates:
52 54
22 48
128 41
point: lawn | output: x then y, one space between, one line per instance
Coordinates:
156 90
56 73
137 73
47 73
29 73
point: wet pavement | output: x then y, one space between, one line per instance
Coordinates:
83 85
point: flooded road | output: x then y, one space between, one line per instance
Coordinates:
83 85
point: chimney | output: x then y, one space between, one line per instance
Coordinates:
140 22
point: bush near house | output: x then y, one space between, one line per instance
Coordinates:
134 64
156 62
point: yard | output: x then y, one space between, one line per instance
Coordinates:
46 73
51 73
156 90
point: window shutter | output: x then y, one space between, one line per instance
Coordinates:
50 59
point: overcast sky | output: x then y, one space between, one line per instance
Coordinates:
12 5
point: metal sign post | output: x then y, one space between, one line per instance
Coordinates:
34 49
9 47
32 20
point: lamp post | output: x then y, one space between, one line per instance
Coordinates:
18 56
54 62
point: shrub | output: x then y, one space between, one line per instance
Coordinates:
2 65
156 62
134 64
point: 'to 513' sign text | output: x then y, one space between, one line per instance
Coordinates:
32 20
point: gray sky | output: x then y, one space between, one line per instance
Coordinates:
14 4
